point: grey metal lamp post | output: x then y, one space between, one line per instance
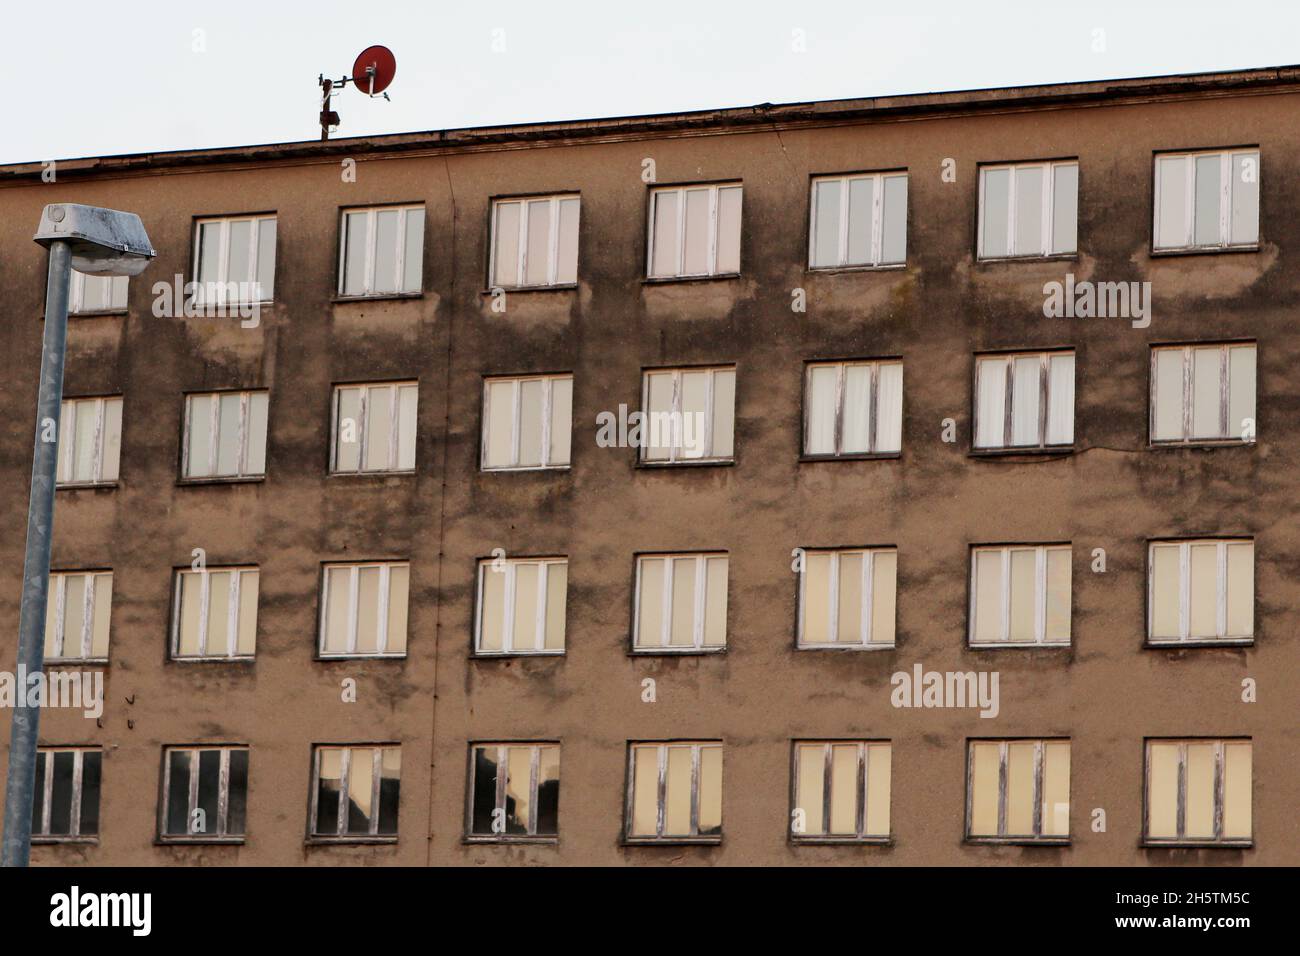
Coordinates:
97 242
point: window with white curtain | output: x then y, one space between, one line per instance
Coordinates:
1207 200
681 603
381 251
1024 400
214 614
858 220
689 415
1198 791
89 294
234 259
225 435
1202 590
853 408
1018 790
527 422
1203 393
91 440
78 606
534 242
364 609
374 428
847 598
1028 210
1020 595
694 231
674 792
521 605
841 791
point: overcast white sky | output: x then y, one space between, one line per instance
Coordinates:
89 78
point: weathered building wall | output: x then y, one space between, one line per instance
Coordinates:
1106 692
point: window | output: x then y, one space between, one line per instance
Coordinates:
91 441
225 435
514 791
1207 201
65 805
77 609
1198 791
374 428
694 231
381 251
858 220
355 792
841 791
89 294
681 603
1201 591
1024 401
846 598
214 614
534 242
1020 595
527 422
690 415
1028 210
853 408
205 794
675 792
1203 393
234 260
363 610
521 605
1018 790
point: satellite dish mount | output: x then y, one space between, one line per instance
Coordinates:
372 72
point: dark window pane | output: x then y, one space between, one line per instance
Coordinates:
389 787
327 793
548 800
61 801
90 771
237 801
38 804
209 791
178 792
485 789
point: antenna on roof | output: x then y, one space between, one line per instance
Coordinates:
372 72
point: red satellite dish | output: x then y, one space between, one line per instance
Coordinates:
374 70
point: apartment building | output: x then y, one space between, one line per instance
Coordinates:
896 481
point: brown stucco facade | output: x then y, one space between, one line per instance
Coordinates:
1106 692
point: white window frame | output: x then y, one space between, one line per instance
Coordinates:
552 246
221 283
1189 394
77 293
1184 546
214 434
1040 769
362 423
677 451
341 835
68 448
1188 199
1220 792
680 191
237 574
381 624
535 749
877 222
662 747
868 600
1009 398
1040 594
58 592
697 646
486 566
222 822
872 425
45 798
548 381
372 241
862 790
1049 168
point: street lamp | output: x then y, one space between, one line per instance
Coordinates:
97 242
